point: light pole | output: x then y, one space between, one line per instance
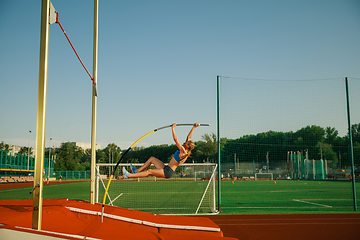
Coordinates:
49 160
28 151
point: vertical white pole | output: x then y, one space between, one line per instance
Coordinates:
235 165
214 191
41 116
314 172
94 105
28 163
326 171
291 165
97 184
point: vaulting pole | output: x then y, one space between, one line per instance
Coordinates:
94 104
123 155
41 116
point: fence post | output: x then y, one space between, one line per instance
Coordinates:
351 153
218 143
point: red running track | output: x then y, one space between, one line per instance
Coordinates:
279 227
290 227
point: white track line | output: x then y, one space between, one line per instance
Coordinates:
323 205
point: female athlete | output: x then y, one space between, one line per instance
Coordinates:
162 170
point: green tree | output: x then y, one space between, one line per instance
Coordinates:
5 147
85 161
330 135
206 150
326 152
25 150
357 154
163 152
68 158
355 129
110 154
308 138
311 134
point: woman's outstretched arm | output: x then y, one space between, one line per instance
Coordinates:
176 140
192 131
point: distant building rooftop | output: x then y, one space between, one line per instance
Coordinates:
85 146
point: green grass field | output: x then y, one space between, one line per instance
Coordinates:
265 197
171 197
77 190
242 197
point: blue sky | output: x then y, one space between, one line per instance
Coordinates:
158 61
251 106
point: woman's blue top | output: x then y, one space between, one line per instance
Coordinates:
176 156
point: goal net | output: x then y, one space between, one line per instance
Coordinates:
264 176
190 191
294 129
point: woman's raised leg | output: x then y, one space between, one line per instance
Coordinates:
154 161
151 172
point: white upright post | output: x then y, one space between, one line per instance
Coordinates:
41 116
94 105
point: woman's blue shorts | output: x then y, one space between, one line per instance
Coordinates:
168 172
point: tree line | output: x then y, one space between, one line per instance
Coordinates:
74 158
312 141
315 141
